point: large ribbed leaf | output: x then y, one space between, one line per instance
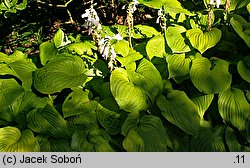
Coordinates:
48 51
144 31
23 70
178 65
202 102
22 104
128 96
174 6
122 48
130 58
234 108
9 91
243 68
175 39
148 78
203 41
12 140
242 29
58 74
156 47
210 77
180 111
78 102
93 140
47 121
81 48
110 120
208 139
144 134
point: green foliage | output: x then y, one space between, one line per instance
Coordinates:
184 88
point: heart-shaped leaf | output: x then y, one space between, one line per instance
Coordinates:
47 121
48 51
202 102
243 68
178 65
77 103
148 78
234 108
210 78
178 109
58 74
144 134
208 139
203 41
175 39
12 140
128 96
156 47
93 140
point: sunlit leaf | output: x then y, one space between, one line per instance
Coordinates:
174 6
144 134
203 41
122 48
234 108
48 51
144 31
130 58
243 68
13 140
60 39
156 4
178 109
202 102
128 96
155 47
175 39
58 74
210 77
81 48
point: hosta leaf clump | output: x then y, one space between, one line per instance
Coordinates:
58 74
210 77
13 140
144 134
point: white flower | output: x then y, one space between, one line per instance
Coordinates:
216 2
117 37
160 15
134 4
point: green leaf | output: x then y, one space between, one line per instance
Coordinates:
144 31
144 134
178 109
203 41
23 70
60 39
244 70
47 121
232 142
81 48
130 58
174 7
77 103
12 140
242 29
234 108
9 91
21 6
122 48
48 51
20 106
156 47
202 102
175 39
148 78
93 140
210 78
178 65
58 74
128 96
110 120
208 139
